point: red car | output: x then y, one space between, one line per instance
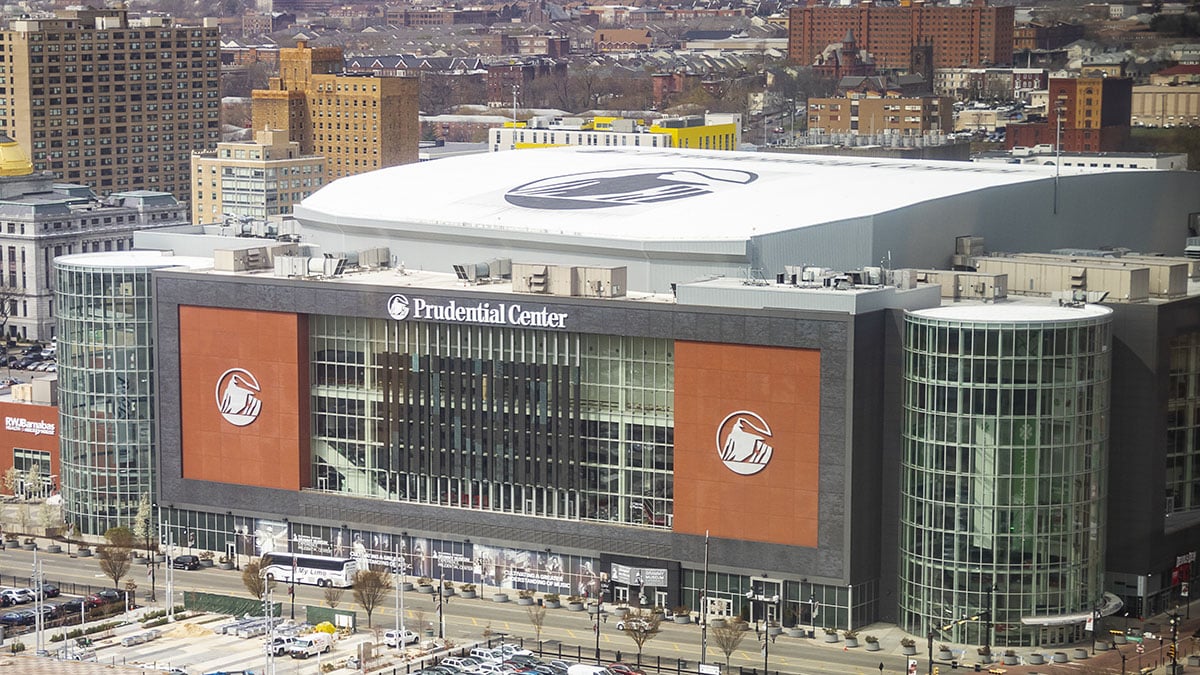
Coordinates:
625 669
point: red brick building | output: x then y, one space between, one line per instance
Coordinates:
1095 113
962 35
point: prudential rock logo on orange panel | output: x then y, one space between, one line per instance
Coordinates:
237 397
742 442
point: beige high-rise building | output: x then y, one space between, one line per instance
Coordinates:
254 179
358 122
111 102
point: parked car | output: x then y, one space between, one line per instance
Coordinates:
633 624
74 606
625 669
394 638
105 596
280 645
186 562
50 591
17 596
21 617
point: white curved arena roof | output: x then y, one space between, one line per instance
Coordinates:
647 194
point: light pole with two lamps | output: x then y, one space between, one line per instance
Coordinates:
766 631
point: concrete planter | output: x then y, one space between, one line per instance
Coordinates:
620 613
575 607
84 553
427 589
681 618
1193 661
945 655
1011 659
206 562
1079 654
873 646
1036 659
525 601
851 642
1119 639
797 632
500 597
406 586
225 565
717 623
553 604
1103 646
469 595
908 650
1060 657
448 591
29 546
54 548
831 637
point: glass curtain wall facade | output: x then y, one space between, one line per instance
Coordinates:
541 423
1183 425
1003 470
105 322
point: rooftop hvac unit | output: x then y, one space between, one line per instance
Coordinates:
327 266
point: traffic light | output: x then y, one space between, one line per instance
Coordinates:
935 670
1171 651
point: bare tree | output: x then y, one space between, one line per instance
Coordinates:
254 580
9 294
537 617
729 636
641 627
370 589
333 596
115 556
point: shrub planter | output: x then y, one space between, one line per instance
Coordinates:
499 597
851 642
553 604
469 595
448 591
797 632
406 586
204 562
1193 661
575 607
160 558
54 548
1103 646
1036 659
945 655
620 613
831 637
225 565
525 601
909 650
1079 654
985 658
682 618
29 546
717 623
1060 657
1119 639
1011 659
774 630
84 553
873 646
425 588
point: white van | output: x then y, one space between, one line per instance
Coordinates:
395 638
311 645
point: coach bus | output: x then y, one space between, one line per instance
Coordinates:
317 570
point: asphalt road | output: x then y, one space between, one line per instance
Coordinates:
470 619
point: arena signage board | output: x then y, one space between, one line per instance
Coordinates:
35 427
401 307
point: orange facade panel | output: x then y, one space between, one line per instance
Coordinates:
244 397
747 422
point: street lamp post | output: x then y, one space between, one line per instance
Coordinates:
599 614
987 635
766 631
1174 643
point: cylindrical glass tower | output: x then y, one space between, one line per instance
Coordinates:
1002 473
105 320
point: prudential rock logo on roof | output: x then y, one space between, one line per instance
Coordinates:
623 187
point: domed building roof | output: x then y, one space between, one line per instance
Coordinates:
13 160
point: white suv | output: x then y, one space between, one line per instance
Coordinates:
395 638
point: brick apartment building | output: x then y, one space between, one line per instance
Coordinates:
1094 111
358 122
112 102
961 35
